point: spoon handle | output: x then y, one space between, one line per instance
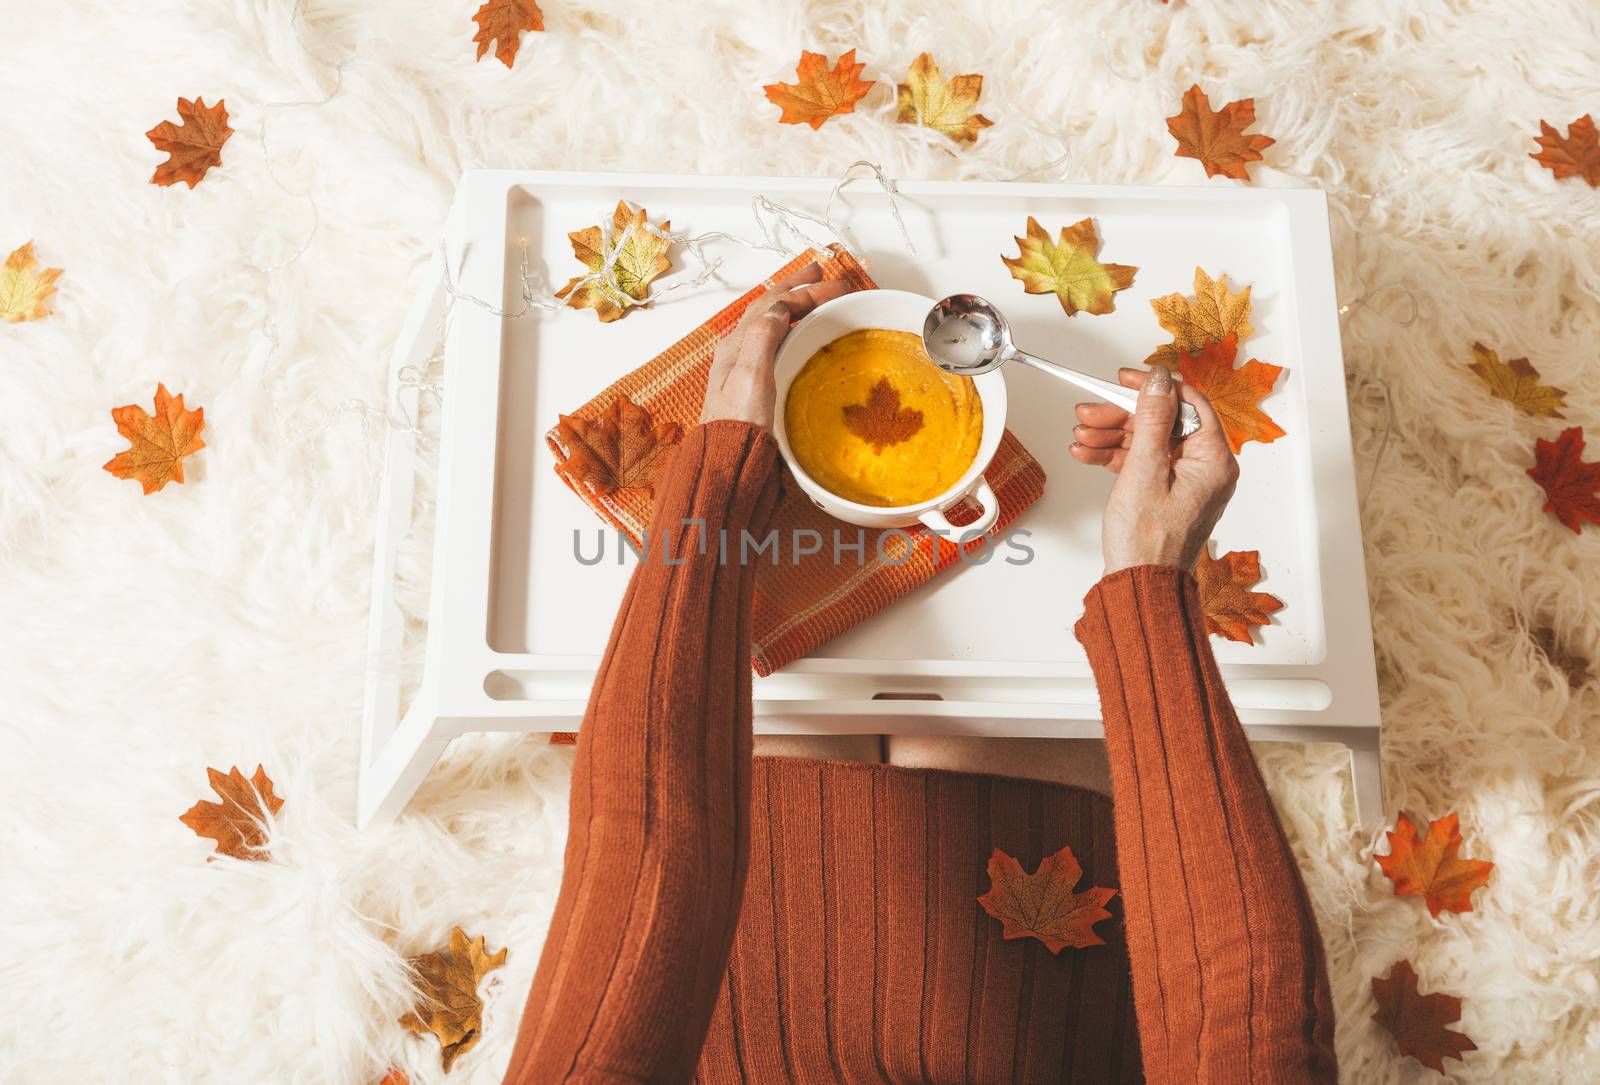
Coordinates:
1187 422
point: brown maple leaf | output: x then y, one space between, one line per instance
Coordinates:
623 449
1517 382
1431 868
1571 485
1417 1021
1577 155
1043 904
1575 667
238 822
157 443
1217 139
640 255
948 106
1231 608
450 1007
502 22
1235 394
25 286
1069 267
820 93
1213 314
194 146
881 421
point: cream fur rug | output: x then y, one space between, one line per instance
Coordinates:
224 621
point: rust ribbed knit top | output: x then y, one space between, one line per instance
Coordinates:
724 919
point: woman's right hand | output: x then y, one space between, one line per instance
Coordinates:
1168 495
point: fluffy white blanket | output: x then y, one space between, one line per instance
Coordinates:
223 621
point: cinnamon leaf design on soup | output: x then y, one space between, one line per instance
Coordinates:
881 421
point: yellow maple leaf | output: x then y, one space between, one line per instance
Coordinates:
641 255
1517 382
24 286
945 105
1210 316
450 1007
1068 267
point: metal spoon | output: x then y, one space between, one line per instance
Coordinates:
967 336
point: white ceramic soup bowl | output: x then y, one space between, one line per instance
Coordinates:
893 310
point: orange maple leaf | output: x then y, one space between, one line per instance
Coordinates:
1232 609
563 738
450 1007
1430 868
820 93
1571 484
157 443
1577 155
881 421
192 147
1043 904
25 286
623 449
1235 394
502 22
1217 139
1417 1021
238 822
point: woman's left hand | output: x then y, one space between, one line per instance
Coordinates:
741 385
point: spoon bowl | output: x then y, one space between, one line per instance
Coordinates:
967 336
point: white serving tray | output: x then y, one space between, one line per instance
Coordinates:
516 623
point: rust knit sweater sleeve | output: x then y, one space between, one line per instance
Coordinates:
1228 976
659 834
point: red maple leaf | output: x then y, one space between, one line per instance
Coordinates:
1571 485
1417 1021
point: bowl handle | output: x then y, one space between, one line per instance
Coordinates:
935 518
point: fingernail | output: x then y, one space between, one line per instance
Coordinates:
1159 382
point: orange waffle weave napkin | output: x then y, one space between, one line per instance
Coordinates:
798 604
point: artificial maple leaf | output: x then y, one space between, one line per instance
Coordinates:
945 105
1574 666
1043 904
641 255
1235 394
24 286
194 146
157 443
502 22
820 93
1068 268
881 421
623 449
1431 868
1571 485
1231 608
1417 1021
1213 314
396 1076
1577 155
450 1007
1217 139
563 738
1517 382
238 822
